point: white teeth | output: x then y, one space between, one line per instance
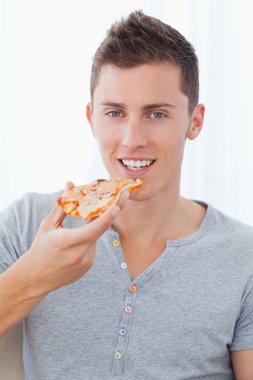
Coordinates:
135 165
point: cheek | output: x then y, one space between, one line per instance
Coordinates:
104 131
172 144
173 150
107 145
106 141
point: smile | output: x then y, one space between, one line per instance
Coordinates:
137 165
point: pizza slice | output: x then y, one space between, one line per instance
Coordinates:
92 200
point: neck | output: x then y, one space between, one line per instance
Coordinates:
155 220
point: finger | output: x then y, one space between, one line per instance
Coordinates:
68 186
89 220
123 198
57 215
94 229
101 224
60 214
121 201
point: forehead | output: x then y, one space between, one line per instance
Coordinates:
148 83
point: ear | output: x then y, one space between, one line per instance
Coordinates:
89 116
197 119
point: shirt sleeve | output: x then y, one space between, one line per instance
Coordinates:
243 333
10 242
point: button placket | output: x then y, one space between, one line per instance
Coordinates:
128 307
124 330
117 250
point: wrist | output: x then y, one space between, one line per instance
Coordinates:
20 281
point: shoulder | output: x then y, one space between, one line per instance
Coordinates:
233 228
232 238
22 218
223 226
35 204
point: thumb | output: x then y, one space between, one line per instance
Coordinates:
98 226
57 215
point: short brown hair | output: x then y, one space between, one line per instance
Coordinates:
141 39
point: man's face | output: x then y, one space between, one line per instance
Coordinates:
140 119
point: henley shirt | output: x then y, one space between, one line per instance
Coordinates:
178 320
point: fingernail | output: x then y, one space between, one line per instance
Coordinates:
126 195
115 211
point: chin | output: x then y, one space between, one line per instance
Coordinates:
143 194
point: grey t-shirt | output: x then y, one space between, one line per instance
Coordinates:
178 322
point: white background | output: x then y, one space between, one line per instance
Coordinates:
46 49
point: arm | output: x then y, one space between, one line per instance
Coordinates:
241 349
17 296
242 362
57 257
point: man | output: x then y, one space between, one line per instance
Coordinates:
159 289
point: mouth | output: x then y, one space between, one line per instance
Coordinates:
136 166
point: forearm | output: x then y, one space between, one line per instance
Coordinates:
17 295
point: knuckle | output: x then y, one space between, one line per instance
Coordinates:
107 220
75 259
85 239
107 223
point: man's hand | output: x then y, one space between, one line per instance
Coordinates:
60 256
57 257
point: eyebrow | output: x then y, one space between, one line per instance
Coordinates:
146 107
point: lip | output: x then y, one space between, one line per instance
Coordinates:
135 173
136 159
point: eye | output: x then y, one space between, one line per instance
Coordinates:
114 114
157 115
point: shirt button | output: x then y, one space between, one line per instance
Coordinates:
115 243
117 355
132 289
123 265
122 331
128 309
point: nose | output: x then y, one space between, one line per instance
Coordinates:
134 134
